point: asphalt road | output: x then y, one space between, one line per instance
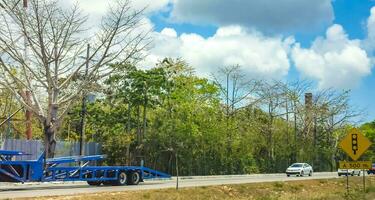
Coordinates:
53 189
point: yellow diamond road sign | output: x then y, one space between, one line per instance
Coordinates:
355 144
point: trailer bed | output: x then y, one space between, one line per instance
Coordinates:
46 170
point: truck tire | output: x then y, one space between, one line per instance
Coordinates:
94 183
134 178
121 179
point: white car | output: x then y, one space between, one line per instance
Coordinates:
299 169
347 172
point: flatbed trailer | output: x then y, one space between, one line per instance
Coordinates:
48 170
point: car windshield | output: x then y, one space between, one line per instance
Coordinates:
296 165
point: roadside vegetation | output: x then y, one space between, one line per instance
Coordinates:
211 125
328 189
223 123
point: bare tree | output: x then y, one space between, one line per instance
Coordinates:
236 92
333 112
40 49
235 88
272 96
293 93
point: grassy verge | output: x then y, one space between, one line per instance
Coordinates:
329 189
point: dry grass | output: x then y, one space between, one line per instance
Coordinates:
331 189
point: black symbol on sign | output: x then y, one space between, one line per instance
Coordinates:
354 143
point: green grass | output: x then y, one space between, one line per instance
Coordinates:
325 189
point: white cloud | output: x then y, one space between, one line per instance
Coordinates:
260 56
369 42
265 15
169 32
96 9
334 61
99 7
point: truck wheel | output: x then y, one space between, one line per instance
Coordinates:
121 179
94 183
134 178
310 173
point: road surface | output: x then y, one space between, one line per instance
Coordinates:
53 189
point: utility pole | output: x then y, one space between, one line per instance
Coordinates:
28 113
84 110
28 116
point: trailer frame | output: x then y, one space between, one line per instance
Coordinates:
48 170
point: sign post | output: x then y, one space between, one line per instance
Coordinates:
364 182
355 144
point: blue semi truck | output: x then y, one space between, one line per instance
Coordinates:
47 170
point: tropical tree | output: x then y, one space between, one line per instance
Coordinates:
40 50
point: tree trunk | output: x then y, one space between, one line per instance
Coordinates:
138 125
144 118
294 157
128 129
50 126
49 140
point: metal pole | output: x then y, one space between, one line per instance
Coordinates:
83 111
347 178
364 182
347 182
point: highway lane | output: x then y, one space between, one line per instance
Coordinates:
53 189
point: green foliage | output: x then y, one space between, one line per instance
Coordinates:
368 129
15 127
168 113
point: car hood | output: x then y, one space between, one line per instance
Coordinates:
294 168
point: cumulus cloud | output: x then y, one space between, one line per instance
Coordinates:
369 42
96 9
260 56
265 15
334 61
99 7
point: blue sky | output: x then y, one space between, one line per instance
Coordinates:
352 15
329 42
